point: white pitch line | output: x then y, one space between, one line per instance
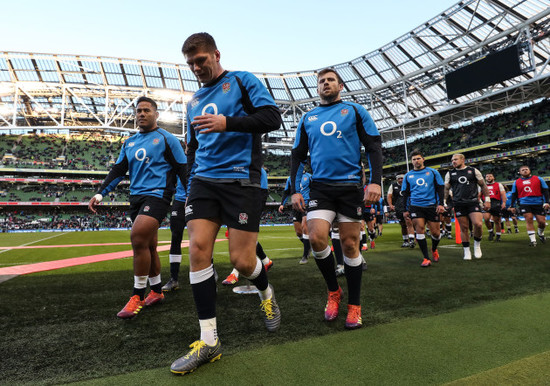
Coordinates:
32 242
277 249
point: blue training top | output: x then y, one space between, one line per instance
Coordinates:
235 154
334 134
152 160
423 187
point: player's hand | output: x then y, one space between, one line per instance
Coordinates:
373 211
406 214
281 208
298 202
210 123
513 210
440 209
486 205
546 206
392 208
372 194
503 206
93 203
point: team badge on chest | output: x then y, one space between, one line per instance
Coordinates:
226 87
344 112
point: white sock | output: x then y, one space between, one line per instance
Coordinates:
154 280
235 272
532 236
140 282
265 261
321 254
174 258
266 294
540 231
209 332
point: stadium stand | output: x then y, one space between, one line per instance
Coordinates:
63 117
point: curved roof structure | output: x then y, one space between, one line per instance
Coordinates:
402 84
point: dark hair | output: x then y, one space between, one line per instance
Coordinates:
326 70
417 152
146 99
199 40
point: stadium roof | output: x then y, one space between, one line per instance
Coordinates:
402 84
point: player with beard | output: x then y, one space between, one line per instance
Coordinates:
422 192
333 134
532 193
492 217
464 181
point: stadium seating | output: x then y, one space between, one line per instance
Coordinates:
86 156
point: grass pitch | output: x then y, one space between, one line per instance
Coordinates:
423 326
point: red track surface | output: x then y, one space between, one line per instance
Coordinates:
64 263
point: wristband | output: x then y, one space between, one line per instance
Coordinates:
98 197
488 200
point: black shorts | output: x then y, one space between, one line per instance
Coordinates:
346 200
297 216
466 209
537 210
507 213
239 207
149 206
447 213
379 218
367 215
177 215
429 213
399 216
496 208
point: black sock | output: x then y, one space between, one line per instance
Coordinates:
204 294
364 239
435 243
140 292
260 251
338 251
477 238
423 244
174 270
157 288
466 244
307 247
326 266
261 281
449 228
372 235
353 277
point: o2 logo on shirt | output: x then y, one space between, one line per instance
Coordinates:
141 155
214 109
333 129
463 180
421 182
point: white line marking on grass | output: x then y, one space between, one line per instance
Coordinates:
36 241
450 246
